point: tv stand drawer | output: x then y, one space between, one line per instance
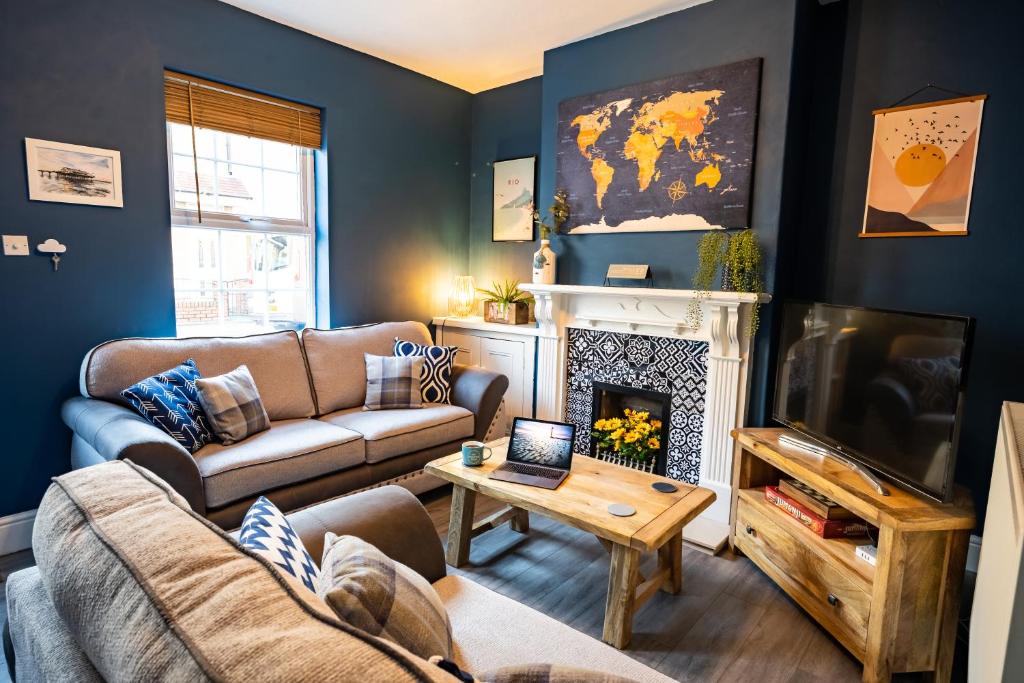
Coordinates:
834 595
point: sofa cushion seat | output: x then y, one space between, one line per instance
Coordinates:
482 621
390 433
290 451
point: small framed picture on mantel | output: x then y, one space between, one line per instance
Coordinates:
513 200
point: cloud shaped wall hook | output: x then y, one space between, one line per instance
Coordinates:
54 248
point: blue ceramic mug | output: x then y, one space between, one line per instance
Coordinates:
473 453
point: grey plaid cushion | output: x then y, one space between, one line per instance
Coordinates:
393 382
372 592
232 405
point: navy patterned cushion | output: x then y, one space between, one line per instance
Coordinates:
265 530
436 376
170 400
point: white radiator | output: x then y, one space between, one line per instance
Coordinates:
997 618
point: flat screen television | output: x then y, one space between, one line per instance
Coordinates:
882 388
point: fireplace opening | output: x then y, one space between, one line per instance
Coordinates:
613 400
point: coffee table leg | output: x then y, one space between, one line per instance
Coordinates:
618 609
460 526
520 521
670 557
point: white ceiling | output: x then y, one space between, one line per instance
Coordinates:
472 44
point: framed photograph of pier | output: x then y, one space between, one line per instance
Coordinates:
59 172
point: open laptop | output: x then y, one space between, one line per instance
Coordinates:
539 453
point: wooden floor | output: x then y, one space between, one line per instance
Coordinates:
729 623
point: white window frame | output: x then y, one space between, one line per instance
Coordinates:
219 222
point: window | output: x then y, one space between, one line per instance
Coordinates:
243 245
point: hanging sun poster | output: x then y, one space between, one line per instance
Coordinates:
922 169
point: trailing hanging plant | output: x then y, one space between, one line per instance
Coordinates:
743 261
739 256
710 255
559 212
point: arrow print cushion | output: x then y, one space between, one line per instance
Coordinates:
436 375
170 400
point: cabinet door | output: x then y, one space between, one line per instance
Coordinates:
507 357
469 346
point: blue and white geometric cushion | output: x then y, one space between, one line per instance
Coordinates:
266 531
436 376
170 400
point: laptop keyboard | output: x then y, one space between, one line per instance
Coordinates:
520 468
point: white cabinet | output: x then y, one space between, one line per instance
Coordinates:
508 349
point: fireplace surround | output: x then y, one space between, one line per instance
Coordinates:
713 357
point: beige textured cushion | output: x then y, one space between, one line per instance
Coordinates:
390 433
289 452
482 621
369 590
152 592
336 362
275 361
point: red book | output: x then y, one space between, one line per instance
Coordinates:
826 528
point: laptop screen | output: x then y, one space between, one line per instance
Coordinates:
541 443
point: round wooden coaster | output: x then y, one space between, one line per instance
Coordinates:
622 510
664 487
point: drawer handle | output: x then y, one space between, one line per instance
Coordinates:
833 600
750 530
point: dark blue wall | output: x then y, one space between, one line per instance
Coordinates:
90 73
876 54
506 125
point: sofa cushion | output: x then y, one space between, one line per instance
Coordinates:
373 592
268 532
336 364
153 592
482 621
392 382
436 376
290 451
170 401
389 433
232 405
275 361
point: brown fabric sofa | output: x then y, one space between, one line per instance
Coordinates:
320 444
131 585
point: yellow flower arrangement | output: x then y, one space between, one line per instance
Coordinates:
634 435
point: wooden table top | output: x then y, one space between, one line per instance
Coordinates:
583 498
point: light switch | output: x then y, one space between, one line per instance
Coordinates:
15 245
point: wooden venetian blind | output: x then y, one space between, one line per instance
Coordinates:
207 104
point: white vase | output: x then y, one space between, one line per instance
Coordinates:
544 264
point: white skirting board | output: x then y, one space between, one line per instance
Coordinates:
16 532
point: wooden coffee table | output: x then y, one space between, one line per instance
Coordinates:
582 502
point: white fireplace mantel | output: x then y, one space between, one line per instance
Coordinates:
722 323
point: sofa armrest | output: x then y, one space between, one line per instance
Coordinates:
389 517
118 433
480 392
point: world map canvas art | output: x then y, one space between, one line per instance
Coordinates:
666 155
922 169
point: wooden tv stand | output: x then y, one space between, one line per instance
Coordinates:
898 616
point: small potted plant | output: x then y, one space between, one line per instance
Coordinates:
505 303
632 440
740 259
544 258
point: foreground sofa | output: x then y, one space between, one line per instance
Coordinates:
320 444
131 585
